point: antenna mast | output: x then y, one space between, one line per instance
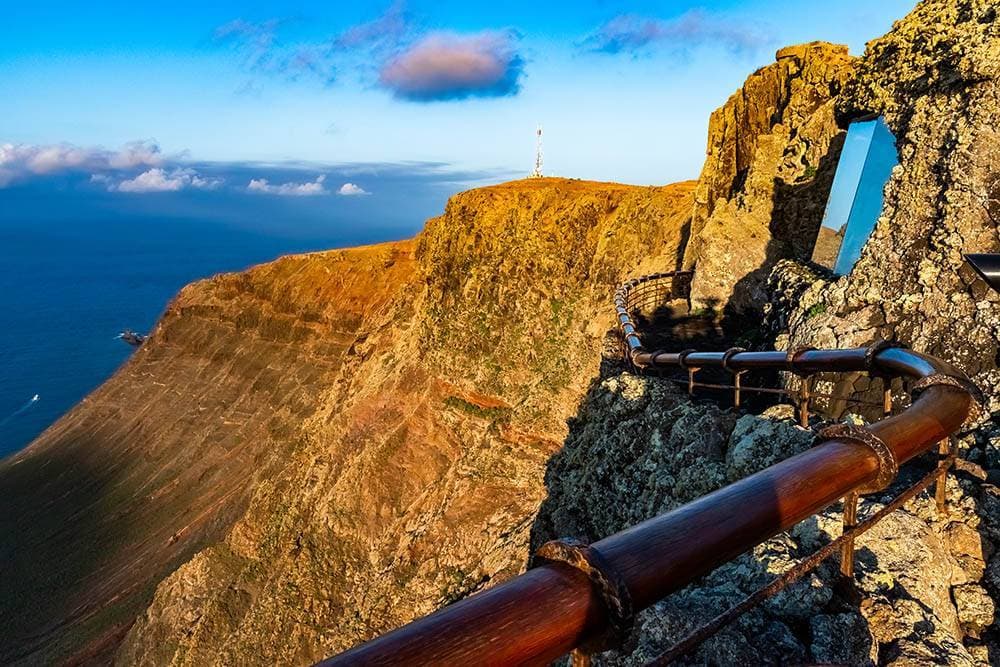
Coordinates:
537 173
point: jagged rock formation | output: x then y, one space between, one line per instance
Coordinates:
936 80
772 151
323 447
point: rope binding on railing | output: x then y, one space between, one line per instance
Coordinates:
607 581
888 466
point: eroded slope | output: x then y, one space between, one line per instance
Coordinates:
327 445
162 458
425 469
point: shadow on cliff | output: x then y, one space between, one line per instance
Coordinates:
674 327
640 447
52 510
797 213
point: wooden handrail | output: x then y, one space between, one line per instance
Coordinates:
544 613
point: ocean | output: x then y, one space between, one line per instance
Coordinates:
78 266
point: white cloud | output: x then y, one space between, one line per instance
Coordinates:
260 185
633 34
48 159
21 161
158 180
201 183
136 154
350 189
154 180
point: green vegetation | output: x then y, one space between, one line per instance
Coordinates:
454 587
815 309
705 311
495 413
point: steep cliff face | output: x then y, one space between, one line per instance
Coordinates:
323 447
519 277
772 151
155 464
423 470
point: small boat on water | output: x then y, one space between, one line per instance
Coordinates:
132 338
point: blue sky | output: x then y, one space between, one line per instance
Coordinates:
623 90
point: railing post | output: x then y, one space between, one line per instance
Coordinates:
736 373
804 394
579 659
941 486
691 372
850 521
886 396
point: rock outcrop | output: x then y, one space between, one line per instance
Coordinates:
772 151
935 78
639 447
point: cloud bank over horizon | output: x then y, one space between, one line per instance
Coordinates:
141 167
143 172
21 161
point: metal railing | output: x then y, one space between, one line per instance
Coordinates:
583 598
643 297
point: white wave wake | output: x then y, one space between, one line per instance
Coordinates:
21 410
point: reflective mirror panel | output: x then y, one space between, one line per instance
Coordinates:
866 161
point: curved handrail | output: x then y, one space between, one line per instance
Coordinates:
553 608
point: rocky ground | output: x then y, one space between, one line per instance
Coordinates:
921 595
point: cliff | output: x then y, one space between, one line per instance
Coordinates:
323 447
160 460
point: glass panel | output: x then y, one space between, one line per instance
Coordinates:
867 159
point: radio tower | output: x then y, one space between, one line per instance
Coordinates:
537 173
